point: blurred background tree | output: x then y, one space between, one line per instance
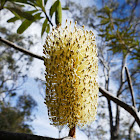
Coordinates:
117 24
16 108
17 118
14 116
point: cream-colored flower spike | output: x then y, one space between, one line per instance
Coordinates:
71 70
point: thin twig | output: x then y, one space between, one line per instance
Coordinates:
11 44
127 107
131 127
130 130
130 86
22 136
48 18
72 132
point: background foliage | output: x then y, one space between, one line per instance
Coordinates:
117 24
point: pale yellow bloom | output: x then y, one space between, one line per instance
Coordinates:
71 70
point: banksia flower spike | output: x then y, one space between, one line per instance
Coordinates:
71 69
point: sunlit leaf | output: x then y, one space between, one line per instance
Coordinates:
53 8
13 19
44 27
25 24
45 2
48 28
58 14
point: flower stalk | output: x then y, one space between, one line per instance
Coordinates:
72 132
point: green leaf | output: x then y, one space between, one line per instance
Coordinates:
21 1
100 16
104 21
45 2
32 11
39 3
58 14
44 27
53 8
13 19
101 30
21 13
37 16
2 2
48 28
65 8
25 24
107 10
102 35
24 1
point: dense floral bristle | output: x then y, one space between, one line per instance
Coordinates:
71 70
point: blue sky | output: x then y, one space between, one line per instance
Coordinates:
41 123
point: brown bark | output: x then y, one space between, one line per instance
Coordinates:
11 44
127 107
22 136
72 132
130 86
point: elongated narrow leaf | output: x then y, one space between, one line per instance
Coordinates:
44 27
21 13
2 2
25 24
21 1
37 16
13 19
48 28
105 21
102 17
65 8
58 14
45 2
53 8
32 11
39 3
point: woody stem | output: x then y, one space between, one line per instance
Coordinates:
72 132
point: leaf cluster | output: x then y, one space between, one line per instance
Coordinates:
119 36
38 13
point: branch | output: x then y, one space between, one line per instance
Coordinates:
127 107
108 95
131 127
11 44
130 86
130 130
48 18
22 136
